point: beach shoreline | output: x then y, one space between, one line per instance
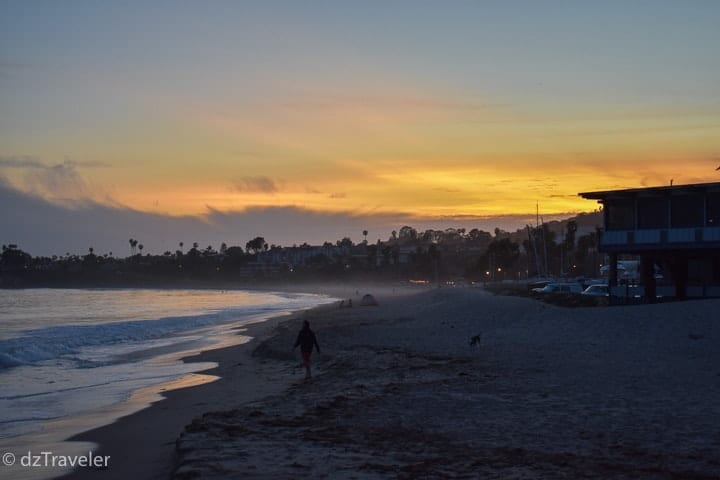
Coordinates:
87 358
399 392
142 444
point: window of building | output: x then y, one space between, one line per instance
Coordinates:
652 212
713 209
687 211
620 214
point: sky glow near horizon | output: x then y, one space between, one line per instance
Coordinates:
425 108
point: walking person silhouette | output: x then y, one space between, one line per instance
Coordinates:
306 340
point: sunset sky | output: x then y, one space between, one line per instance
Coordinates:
415 111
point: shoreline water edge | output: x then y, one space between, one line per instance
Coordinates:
401 391
171 360
146 440
142 445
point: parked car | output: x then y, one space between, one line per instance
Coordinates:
560 288
597 290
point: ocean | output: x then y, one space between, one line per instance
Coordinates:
70 360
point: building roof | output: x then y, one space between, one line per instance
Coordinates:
665 190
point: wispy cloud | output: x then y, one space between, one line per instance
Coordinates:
32 162
61 182
87 163
258 184
21 161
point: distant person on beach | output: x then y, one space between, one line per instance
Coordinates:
306 339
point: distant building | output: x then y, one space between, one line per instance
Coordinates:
675 228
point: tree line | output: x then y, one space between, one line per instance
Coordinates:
553 249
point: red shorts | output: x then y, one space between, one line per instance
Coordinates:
306 356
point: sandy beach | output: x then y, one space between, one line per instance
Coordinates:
142 445
399 392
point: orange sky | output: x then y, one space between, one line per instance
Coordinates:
378 156
428 111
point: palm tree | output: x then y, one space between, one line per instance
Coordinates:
365 234
141 248
181 247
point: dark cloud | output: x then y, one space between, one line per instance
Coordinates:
256 184
337 195
45 228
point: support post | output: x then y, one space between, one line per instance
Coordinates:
612 275
647 274
680 276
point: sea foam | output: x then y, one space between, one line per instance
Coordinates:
63 342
